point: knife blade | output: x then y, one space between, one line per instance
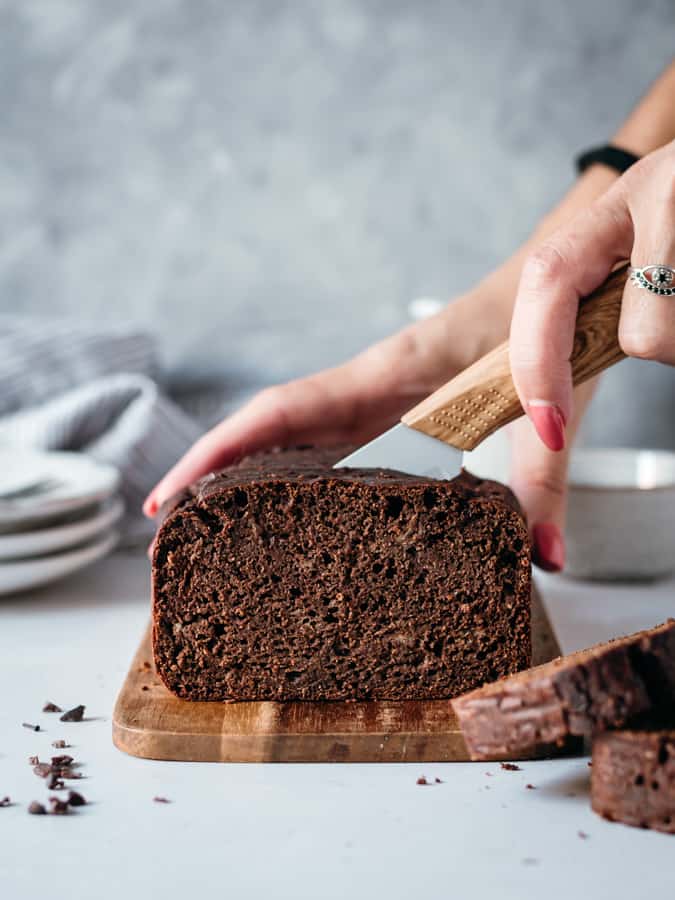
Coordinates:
431 438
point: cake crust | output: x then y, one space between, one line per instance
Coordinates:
283 579
603 687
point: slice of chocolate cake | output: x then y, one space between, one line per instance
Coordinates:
606 686
283 579
633 778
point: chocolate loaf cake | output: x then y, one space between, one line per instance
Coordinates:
604 687
283 579
633 778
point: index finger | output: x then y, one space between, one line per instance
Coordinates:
571 264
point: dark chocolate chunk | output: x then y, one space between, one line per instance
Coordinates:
510 767
75 799
37 809
73 715
59 807
284 579
604 687
5 801
62 761
51 708
55 783
531 787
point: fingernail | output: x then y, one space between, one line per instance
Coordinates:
150 506
549 422
549 547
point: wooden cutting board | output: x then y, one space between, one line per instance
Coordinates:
148 721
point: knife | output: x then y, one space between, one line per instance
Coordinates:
431 438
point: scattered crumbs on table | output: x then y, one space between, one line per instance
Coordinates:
582 835
75 799
422 780
34 760
531 787
510 767
5 801
42 770
437 781
60 744
30 727
489 774
36 809
73 715
59 807
530 861
50 707
56 783
161 800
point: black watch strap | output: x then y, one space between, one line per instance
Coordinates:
608 155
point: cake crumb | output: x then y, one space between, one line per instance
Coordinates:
582 835
510 767
161 800
422 780
531 787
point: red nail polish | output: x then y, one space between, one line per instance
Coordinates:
150 507
548 421
549 547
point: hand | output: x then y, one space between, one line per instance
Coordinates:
347 404
634 219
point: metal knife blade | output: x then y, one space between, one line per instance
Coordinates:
406 450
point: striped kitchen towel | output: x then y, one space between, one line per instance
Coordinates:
73 387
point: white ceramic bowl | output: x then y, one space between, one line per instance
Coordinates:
621 518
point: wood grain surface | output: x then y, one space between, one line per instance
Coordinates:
483 398
148 721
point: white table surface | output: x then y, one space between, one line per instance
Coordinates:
289 831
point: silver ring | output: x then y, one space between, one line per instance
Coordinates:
657 279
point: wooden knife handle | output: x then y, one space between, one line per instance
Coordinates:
483 398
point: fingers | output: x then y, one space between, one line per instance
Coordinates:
279 416
539 480
570 265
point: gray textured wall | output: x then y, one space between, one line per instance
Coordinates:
268 184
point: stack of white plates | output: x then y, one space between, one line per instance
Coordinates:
58 513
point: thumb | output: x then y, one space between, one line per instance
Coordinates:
539 480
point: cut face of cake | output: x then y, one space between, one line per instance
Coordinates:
283 579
